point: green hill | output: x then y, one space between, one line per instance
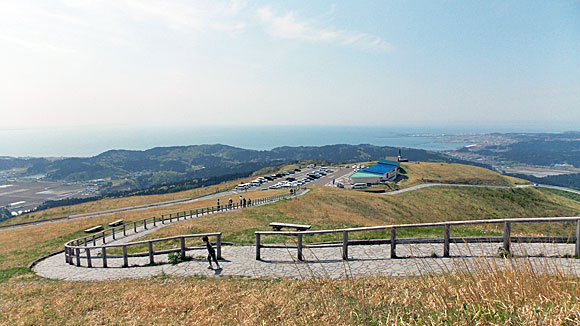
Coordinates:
182 162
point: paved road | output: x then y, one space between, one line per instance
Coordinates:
429 185
232 192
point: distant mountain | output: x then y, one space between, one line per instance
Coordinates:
141 169
7 163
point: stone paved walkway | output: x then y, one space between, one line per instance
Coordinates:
323 262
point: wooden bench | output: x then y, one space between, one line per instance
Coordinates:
299 227
94 229
115 223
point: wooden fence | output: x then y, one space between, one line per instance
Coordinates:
506 239
73 248
73 254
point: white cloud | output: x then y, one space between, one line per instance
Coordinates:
289 26
41 46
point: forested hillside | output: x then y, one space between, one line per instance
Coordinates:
173 164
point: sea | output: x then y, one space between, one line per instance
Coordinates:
93 140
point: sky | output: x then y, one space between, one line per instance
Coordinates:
384 63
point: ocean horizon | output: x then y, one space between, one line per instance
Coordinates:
90 141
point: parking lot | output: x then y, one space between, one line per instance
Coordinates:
318 176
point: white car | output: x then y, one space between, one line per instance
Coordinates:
359 186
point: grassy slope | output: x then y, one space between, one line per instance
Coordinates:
112 203
326 208
512 297
427 172
21 246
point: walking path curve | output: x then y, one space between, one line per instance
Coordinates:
325 263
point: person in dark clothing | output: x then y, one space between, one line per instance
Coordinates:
218 204
210 253
244 202
230 202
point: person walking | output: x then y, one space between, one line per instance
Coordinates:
249 201
244 202
210 253
241 201
230 202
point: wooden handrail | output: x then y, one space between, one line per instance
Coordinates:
506 239
175 215
73 247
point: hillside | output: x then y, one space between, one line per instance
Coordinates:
414 173
327 208
171 164
445 299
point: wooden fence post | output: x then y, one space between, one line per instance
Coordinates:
219 246
151 258
94 241
135 226
104 252
300 247
124 229
154 225
113 233
258 246
103 237
125 258
577 249
393 243
145 224
344 245
66 254
506 236
78 253
182 242
446 241
89 262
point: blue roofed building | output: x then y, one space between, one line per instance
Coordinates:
384 170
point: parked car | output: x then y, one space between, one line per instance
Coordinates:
359 186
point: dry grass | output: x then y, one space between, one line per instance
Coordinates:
112 203
327 208
429 172
513 296
21 246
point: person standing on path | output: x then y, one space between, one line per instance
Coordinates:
249 201
230 202
244 202
241 201
210 253
218 204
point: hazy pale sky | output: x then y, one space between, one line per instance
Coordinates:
131 62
